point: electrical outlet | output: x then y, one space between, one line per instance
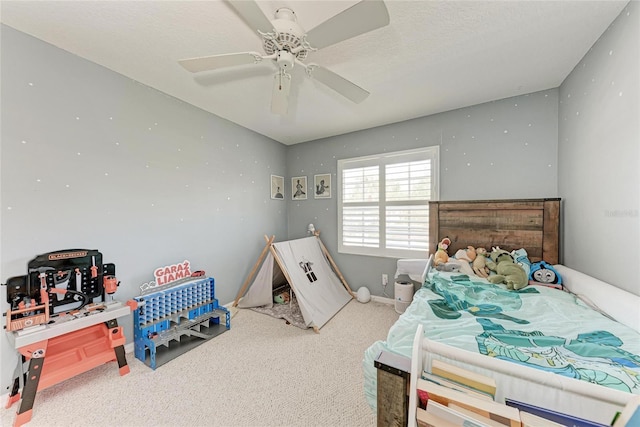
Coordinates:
385 280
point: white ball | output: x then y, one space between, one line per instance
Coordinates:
363 294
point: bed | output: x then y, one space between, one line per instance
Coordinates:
570 356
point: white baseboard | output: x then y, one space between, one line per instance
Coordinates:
383 300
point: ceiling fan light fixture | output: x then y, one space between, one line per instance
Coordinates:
286 43
285 60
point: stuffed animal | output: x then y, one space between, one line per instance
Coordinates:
507 271
281 298
480 263
544 274
461 261
460 265
441 255
468 254
521 257
450 267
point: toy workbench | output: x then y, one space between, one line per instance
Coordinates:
61 323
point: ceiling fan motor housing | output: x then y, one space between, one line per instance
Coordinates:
288 35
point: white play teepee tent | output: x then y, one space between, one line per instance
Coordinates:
311 273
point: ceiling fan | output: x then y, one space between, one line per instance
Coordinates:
286 44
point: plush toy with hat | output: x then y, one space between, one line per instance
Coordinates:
442 256
507 271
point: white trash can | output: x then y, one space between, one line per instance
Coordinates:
403 296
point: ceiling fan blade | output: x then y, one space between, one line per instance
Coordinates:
206 63
252 14
358 19
280 96
338 83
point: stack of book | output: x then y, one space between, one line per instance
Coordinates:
471 383
456 397
532 416
452 396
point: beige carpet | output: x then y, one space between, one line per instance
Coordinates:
262 372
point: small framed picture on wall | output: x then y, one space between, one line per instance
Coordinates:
277 187
299 188
322 186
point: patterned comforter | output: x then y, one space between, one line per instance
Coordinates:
538 326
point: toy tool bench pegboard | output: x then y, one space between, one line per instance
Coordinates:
175 318
61 323
63 281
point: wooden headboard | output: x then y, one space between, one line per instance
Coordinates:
532 224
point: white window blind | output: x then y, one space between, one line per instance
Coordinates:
383 202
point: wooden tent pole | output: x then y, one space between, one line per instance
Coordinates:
333 264
254 269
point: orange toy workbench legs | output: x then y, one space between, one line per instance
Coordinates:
60 357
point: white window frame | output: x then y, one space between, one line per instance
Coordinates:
381 160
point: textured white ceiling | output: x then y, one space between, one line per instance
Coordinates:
434 56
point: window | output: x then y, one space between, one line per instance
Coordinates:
383 203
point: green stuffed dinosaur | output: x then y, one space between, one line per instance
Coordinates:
507 271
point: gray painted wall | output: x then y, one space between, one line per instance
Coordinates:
600 157
498 150
91 159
